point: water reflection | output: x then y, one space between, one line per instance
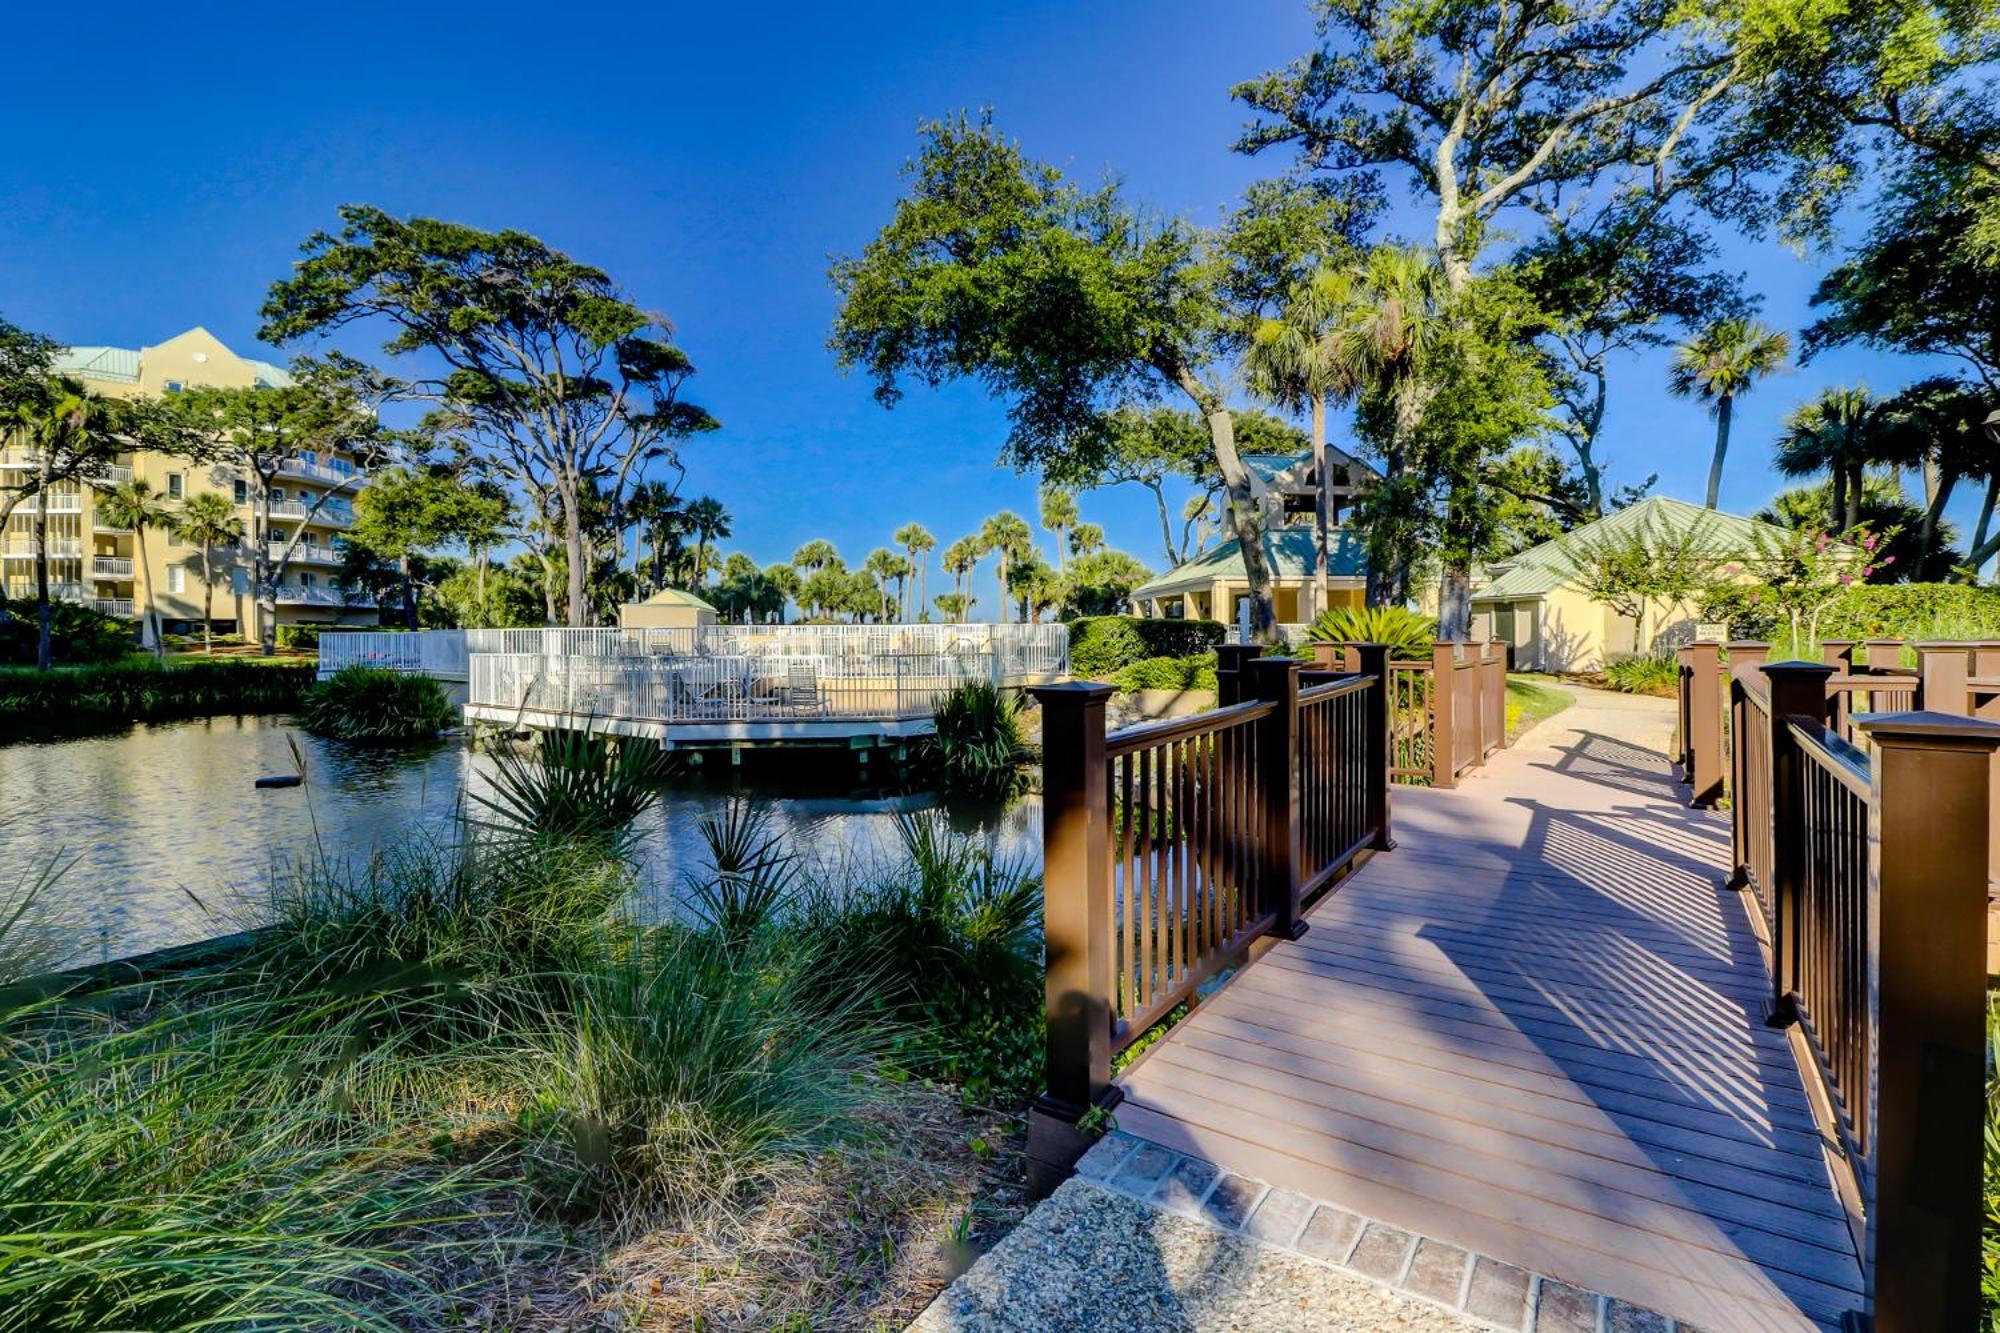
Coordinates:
171 842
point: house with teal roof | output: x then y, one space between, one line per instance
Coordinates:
1531 600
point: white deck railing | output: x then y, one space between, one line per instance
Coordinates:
431 652
1021 650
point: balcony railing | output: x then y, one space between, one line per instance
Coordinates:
113 606
317 596
306 552
111 566
68 503
332 515
24 589
59 548
333 474
27 460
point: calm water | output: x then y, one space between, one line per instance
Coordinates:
171 842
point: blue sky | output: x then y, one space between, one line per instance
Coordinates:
711 158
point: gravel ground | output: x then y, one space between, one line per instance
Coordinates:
1091 1259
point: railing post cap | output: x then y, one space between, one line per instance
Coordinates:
1276 664
1776 670
1735 645
1075 692
1929 729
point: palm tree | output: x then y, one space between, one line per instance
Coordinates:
1397 315
1007 537
1086 538
1302 358
881 565
208 520
73 435
709 522
134 504
1058 515
1839 433
785 579
917 542
816 555
1722 361
649 503
959 560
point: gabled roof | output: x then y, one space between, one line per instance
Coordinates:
1289 551
1540 570
676 597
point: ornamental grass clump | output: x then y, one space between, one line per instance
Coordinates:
377 707
188 1172
1643 675
975 747
576 788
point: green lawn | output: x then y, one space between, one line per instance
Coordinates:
1529 701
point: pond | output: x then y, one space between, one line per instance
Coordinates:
167 840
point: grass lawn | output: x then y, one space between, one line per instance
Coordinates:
1530 700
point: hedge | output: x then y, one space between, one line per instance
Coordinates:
146 691
1910 611
1196 672
1100 645
77 634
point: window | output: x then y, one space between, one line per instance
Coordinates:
174 386
242 491
176 579
173 536
176 485
305 578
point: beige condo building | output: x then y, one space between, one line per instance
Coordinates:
99 565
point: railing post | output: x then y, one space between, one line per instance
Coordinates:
1942 672
1277 679
1704 696
1372 660
1229 671
1444 664
1798 689
1880 655
1498 699
1077 924
1927 957
1742 653
1839 654
1683 741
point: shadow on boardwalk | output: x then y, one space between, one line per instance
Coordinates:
1533 1031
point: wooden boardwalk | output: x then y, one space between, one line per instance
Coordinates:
1533 1031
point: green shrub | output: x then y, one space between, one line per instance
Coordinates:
975 746
1167 673
579 788
949 939
1408 634
1643 675
144 690
359 703
1100 645
78 635
1907 611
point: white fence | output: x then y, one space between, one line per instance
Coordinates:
433 652
1291 635
768 688
1019 650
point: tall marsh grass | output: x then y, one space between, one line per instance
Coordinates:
376 707
142 690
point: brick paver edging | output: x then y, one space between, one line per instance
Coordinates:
1469 1284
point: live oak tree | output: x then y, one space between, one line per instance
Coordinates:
1503 116
569 387
1065 302
249 435
406 512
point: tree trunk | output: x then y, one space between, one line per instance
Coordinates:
207 601
409 593
149 626
44 635
1455 583
1838 507
1243 509
1985 521
1857 474
1176 556
260 564
572 505
1938 491
1723 405
1321 504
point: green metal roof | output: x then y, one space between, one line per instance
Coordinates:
1540 570
1289 552
268 375
99 363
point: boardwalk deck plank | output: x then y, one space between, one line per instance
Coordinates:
1534 1031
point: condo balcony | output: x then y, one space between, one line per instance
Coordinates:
113 606
60 548
111 566
333 473
70 502
317 595
27 460
332 515
311 553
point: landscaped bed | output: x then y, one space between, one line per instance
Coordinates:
457 1086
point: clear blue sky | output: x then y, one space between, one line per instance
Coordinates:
711 158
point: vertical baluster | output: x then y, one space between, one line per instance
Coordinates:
1144 812
1127 934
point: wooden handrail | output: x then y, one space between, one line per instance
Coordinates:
1169 848
1870 867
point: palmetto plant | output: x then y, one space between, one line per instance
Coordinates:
1717 365
750 873
580 788
1408 634
136 505
208 520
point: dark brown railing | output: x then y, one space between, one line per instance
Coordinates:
1868 864
1470 716
1170 848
